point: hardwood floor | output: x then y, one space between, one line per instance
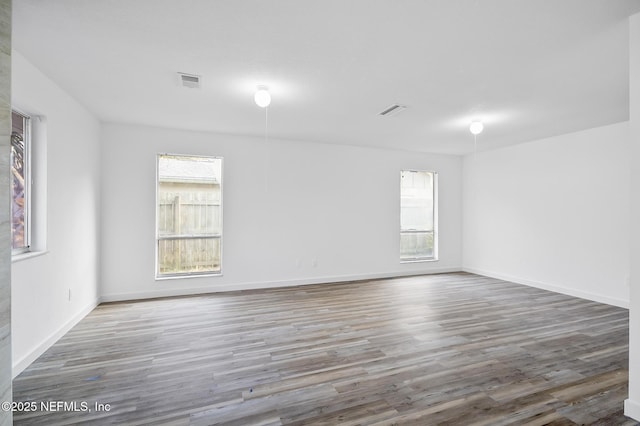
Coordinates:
455 349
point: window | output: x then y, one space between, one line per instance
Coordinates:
188 215
418 217
20 182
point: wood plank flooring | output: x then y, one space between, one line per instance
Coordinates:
450 349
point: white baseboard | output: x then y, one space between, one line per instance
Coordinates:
621 303
25 361
632 409
257 285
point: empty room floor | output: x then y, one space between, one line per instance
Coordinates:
439 349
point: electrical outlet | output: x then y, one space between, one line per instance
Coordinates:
314 262
69 295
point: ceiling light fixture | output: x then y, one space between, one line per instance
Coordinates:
262 97
476 127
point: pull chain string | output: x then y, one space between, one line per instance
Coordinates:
266 124
266 147
475 145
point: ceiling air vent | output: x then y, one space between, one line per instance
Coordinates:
189 80
393 110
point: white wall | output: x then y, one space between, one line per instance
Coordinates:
41 309
632 405
552 213
285 204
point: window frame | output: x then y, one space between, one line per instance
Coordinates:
179 275
28 182
434 232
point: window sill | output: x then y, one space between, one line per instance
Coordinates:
178 277
418 260
28 255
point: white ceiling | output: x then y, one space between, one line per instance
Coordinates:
528 68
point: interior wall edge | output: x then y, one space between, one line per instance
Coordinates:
6 333
594 297
632 405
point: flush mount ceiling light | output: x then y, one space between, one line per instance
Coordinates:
476 127
262 97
